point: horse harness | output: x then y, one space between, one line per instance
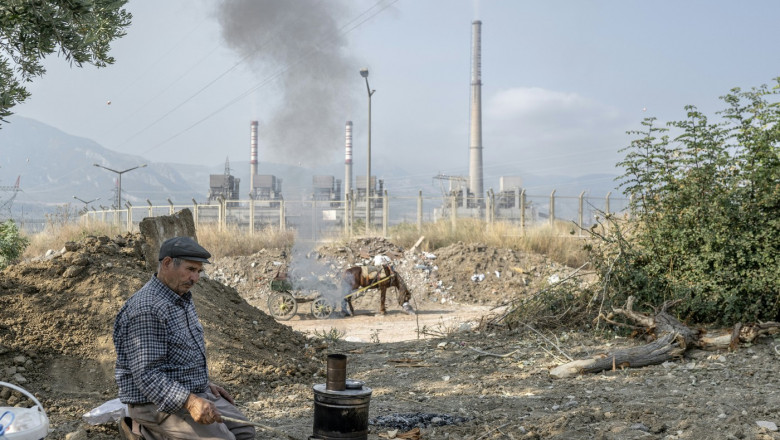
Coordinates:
373 275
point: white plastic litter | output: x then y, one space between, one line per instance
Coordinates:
109 412
23 423
381 259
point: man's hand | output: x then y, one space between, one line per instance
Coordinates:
202 410
219 391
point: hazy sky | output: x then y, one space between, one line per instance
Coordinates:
562 80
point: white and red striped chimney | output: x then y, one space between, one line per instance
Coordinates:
252 156
348 161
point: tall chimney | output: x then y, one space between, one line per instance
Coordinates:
252 157
348 161
475 144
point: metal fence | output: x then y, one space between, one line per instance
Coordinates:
316 219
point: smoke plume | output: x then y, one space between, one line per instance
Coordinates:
298 46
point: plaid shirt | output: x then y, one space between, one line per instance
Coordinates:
160 349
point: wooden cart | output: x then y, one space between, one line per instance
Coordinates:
284 299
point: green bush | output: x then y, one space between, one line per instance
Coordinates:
704 224
11 243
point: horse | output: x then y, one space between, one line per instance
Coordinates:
384 276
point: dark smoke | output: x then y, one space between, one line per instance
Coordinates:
300 45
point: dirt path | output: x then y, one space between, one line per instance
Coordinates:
431 320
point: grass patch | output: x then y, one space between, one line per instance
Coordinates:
560 242
233 242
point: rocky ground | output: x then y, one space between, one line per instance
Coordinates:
440 371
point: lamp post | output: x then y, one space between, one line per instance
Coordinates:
85 202
364 74
119 191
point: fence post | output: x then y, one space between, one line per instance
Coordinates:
251 216
487 209
170 210
522 212
552 208
129 216
453 213
606 204
582 194
195 213
385 213
281 216
419 212
352 211
151 213
313 219
222 214
346 213
492 206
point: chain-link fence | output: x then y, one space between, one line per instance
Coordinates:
318 219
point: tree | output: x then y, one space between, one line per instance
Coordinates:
704 224
79 30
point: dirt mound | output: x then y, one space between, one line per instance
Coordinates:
58 314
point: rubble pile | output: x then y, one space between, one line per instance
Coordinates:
459 273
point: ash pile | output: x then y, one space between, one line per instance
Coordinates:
409 421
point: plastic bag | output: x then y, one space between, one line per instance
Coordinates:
109 412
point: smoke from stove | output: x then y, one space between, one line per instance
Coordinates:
299 46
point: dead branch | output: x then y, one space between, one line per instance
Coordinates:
673 339
485 353
657 352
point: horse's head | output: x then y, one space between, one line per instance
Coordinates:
404 294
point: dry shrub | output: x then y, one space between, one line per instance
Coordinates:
233 241
565 304
230 242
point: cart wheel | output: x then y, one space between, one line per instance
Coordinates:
321 308
282 305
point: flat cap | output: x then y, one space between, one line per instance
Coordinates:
185 248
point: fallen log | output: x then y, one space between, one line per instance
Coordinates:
657 352
672 339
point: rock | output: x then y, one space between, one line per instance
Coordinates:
769 426
76 435
73 271
18 378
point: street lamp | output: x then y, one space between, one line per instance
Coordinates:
364 74
85 202
119 192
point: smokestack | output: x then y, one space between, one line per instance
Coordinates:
475 144
252 157
348 161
